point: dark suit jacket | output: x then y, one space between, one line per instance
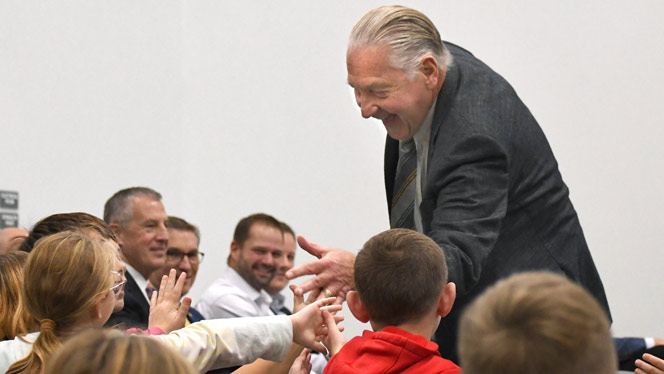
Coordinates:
194 315
136 311
493 198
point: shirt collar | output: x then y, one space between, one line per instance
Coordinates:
242 284
424 132
278 300
140 280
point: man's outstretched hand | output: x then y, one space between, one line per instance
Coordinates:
333 270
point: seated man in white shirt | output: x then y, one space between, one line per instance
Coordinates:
256 253
279 281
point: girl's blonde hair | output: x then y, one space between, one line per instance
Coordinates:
65 275
14 317
112 352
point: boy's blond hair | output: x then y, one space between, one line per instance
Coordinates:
536 323
113 352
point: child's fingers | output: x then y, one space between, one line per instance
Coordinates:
180 282
321 330
319 347
163 285
153 297
328 319
184 307
171 279
313 295
298 299
331 308
323 302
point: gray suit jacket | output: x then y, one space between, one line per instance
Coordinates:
493 198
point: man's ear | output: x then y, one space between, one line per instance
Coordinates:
235 250
446 300
357 307
429 68
115 227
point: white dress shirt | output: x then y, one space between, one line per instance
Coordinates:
140 280
231 296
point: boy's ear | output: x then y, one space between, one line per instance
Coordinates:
356 307
446 300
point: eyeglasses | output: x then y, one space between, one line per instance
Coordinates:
118 286
194 257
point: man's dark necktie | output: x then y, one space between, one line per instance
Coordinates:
403 199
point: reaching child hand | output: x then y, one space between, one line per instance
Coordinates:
334 339
308 323
298 301
302 364
166 311
649 364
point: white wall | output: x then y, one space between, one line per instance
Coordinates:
229 108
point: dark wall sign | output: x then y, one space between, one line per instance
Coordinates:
8 220
9 200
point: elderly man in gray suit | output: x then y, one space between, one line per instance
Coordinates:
465 163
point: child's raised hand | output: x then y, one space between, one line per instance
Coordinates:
334 340
166 311
649 364
302 364
308 323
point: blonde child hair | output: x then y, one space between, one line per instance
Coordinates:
66 275
536 323
14 317
112 352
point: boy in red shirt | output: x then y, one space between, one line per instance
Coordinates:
401 288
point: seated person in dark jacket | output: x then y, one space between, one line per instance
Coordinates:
138 218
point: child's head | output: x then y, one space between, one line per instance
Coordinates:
87 224
56 223
536 322
14 317
400 276
113 352
67 285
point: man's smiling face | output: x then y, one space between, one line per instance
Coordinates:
400 100
256 259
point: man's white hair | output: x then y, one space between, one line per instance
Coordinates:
410 34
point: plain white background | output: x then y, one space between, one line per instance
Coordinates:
229 108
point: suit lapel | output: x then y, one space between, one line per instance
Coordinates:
390 167
132 291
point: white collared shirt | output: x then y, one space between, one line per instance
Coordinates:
421 139
231 296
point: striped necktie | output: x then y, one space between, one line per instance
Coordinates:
403 199
149 290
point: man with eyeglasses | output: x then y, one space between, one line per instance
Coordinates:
182 254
